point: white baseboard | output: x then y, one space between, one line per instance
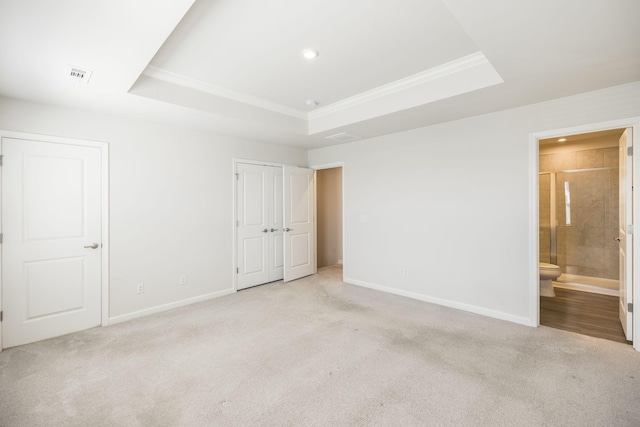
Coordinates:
447 303
169 306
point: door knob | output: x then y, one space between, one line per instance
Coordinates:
265 231
273 229
288 229
617 239
92 246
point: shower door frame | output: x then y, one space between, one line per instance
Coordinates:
553 221
534 220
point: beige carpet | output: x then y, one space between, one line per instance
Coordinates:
317 352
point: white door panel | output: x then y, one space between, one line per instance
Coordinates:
299 241
53 286
625 240
51 198
254 255
276 243
300 249
253 241
259 194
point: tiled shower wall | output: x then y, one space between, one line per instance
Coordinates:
585 246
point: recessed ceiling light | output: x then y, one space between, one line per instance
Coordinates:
310 53
562 139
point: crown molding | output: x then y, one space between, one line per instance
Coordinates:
184 81
403 84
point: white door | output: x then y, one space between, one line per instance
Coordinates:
276 219
299 223
253 225
259 224
626 239
51 255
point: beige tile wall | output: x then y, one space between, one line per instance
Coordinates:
585 246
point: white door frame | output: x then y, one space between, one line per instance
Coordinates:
534 257
104 155
315 208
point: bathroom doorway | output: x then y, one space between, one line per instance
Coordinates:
579 221
329 211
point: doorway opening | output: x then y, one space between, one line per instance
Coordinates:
584 191
329 214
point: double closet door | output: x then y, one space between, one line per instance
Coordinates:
275 223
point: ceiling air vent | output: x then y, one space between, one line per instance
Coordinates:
342 137
78 74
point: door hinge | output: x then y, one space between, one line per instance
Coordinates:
237 176
1 238
1 160
630 307
1 315
237 270
630 228
629 151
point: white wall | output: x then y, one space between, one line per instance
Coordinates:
451 203
171 193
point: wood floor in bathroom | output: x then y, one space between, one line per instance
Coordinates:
583 312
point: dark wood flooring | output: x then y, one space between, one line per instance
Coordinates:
583 312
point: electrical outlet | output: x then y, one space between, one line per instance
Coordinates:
184 279
140 288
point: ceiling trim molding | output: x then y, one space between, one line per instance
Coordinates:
184 81
410 82
403 84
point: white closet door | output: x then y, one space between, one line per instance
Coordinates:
252 225
259 223
299 223
51 256
276 219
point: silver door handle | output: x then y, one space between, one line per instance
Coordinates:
273 229
617 239
288 229
92 246
265 231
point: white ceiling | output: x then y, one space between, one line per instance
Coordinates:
235 66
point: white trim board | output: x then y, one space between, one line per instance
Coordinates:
184 81
443 302
170 306
470 72
407 83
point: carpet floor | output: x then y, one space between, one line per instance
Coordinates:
318 352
